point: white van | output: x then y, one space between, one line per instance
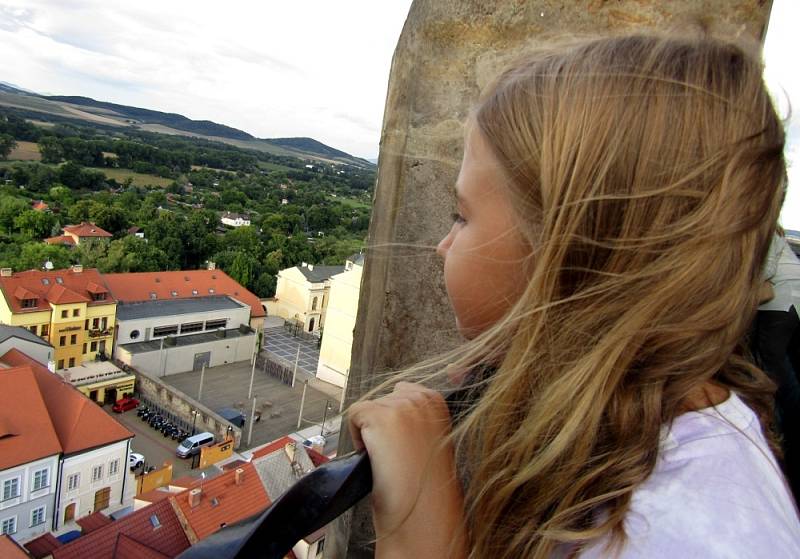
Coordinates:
191 445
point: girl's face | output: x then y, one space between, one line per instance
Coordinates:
484 252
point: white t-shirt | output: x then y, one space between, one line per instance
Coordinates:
716 492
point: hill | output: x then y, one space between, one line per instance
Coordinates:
85 110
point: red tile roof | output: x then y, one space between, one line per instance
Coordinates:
277 444
153 496
40 205
26 431
60 240
128 548
86 229
136 287
9 549
79 423
93 522
222 502
167 538
57 286
43 545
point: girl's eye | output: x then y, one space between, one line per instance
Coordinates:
458 218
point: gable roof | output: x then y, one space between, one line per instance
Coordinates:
43 545
9 549
137 287
26 431
60 240
86 229
276 470
128 548
222 502
79 423
93 522
21 333
56 286
110 542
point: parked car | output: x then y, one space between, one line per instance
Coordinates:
191 445
125 404
135 460
234 416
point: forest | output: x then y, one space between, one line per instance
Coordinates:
172 191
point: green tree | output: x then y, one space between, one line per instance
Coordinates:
35 225
34 254
243 268
51 150
10 208
7 144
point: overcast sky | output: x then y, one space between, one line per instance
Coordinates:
273 69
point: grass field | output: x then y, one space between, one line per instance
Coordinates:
139 179
352 202
25 151
274 167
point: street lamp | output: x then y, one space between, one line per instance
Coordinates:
194 418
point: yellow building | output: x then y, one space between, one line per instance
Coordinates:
72 309
342 306
301 295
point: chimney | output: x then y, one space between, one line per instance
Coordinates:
238 476
311 267
304 265
211 265
6 272
77 268
194 497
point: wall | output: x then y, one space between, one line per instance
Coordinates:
125 327
292 292
29 500
98 311
41 353
337 341
182 405
82 464
448 51
180 359
67 327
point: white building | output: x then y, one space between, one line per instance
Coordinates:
235 220
66 457
162 337
301 294
27 342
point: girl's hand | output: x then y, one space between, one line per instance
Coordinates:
416 497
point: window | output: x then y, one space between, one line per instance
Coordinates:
9 526
71 361
102 346
214 324
153 295
134 334
173 293
45 329
45 281
320 547
40 479
104 323
314 304
59 280
84 349
37 516
154 521
64 314
11 489
62 340
113 467
73 339
194 292
97 473
211 290
191 327
76 312
165 330
28 303
60 363
95 323
86 324
98 296
93 347
73 482
33 329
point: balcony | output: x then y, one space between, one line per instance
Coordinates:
98 333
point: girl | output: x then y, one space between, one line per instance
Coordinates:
615 204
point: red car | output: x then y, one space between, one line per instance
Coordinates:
125 404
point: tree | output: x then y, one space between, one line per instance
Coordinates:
10 208
51 150
35 225
33 255
7 144
242 269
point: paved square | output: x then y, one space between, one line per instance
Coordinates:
283 344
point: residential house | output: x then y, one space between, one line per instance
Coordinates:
301 294
85 232
40 206
162 337
93 448
186 284
337 343
72 309
27 342
235 220
29 456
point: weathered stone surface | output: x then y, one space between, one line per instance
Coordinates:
448 51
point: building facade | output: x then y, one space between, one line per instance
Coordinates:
71 309
337 343
301 295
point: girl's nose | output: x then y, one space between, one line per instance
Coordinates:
444 244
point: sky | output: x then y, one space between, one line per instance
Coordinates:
316 68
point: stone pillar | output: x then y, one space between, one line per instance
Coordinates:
448 52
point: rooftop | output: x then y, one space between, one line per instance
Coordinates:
133 287
318 274
170 307
182 341
280 464
7 332
79 423
152 532
9 549
55 286
86 229
42 546
91 371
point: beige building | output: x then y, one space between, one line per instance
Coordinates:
334 355
302 295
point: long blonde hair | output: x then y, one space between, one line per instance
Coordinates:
648 174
